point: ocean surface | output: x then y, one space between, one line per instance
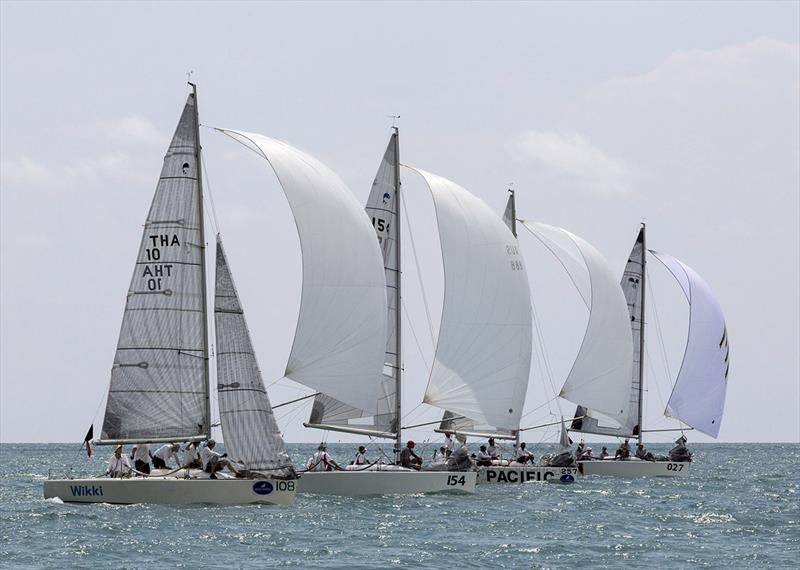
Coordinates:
739 508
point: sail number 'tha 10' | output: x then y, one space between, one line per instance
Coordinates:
155 270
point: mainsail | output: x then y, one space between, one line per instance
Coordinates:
698 397
252 437
159 380
328 412
483 352
340 338
633 288
600 378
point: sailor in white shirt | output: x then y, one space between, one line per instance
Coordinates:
523 455
448 443
321 461
491 449
118 466
190 456
163 455
361 456
141 456
482 458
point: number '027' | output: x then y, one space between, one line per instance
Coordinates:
454 480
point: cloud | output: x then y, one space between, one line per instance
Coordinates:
132 130
574 155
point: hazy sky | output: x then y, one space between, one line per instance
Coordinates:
601 115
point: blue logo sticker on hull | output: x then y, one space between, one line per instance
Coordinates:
262 487
567 478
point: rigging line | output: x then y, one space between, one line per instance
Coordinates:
545 359
658 326
414 334
419 276
214 219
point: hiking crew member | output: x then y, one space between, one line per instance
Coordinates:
141 456
491 449
523 455
408 458
321 461
623 451
163 454
361 456
482 458
118 466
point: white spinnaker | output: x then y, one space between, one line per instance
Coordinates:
252 437
483 353
158 385
340 339
600 378
698 397
382 210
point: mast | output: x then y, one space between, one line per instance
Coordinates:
398 318
202 245
513 203
641 337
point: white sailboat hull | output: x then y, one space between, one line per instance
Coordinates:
390 482
632 468
171 491
526 474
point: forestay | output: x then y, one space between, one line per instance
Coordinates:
341 331
483 352
600 378
159 385
633 288
698 397
252 437
328 412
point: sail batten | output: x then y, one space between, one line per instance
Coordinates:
483 351
159 381
252 437
600 377
698 397
340 338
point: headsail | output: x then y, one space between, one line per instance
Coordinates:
341 330
698 397
328 412
159 383
633 288
600 378
252 437
483 353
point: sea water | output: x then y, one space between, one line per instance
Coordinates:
739 507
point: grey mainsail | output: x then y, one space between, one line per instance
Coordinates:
328 412
252 437
159 379
633 287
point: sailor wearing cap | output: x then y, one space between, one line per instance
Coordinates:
361 456
321 461
118 466
408 458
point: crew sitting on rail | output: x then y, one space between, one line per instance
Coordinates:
523 455
448 443
191 458
491 449
141 455
680 453
118 466
603 453
440 455
643 454
623 451
361 456
482 458
163 454
587 455
213 461
408 458
321 461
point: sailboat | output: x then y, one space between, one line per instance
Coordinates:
698 395
604 355
160 381
484 335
